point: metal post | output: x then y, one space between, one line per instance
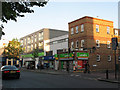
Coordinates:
106 74
68 61
115 65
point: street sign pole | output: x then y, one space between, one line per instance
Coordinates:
114 47
115 65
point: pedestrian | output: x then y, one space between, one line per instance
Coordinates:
38 66
87 68
47 65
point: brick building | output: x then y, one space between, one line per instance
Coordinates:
94 36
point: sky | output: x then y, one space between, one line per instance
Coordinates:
57 14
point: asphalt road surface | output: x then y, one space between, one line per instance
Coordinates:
38 80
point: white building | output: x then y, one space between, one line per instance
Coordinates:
41 40
55 45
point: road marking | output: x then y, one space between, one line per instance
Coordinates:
77 75
71 75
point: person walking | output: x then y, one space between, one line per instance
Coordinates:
87 68
38 66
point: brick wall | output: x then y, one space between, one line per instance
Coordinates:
90 36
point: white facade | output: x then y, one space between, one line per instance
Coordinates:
55 44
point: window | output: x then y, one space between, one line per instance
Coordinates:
76 29
21 41
82 43
108 30
35 45
28 40
32 39
35 38
72 31
97 43
72 45
116 32
40 45
28 48
108 44
32 47
40 35
25 41
98 58
82 28
97 28
77 44
109 58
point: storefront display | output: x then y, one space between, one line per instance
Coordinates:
82 58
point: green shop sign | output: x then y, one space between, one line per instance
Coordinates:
30 55
66 55
81 54
56 55
27 55
41 54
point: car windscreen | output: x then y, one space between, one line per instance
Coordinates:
9 68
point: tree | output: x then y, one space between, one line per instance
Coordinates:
35 53
13 49
12 10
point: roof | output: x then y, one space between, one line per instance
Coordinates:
90 18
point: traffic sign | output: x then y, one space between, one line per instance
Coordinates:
114 43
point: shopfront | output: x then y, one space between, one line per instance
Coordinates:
82 58
29 61
49 61
12 61
65 59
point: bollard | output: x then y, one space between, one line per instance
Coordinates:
106 74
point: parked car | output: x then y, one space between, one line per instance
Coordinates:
9 71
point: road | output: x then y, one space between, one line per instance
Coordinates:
39 80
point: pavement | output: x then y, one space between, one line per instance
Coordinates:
101 76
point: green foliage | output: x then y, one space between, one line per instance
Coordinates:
12 10
13 49
35 53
